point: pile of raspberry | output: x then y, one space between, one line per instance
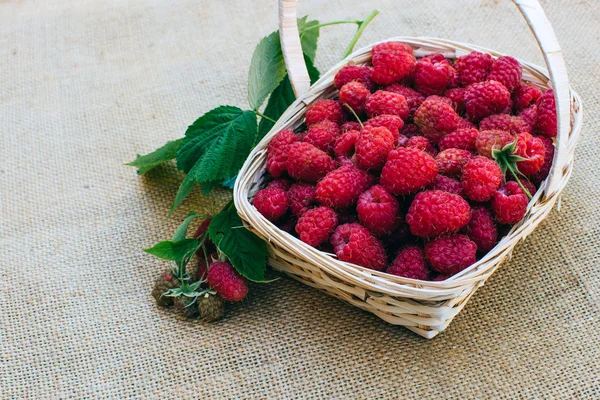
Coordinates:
400 172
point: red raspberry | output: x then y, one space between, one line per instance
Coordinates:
391 66
322 135
433 75
308 163
460 139
350 126
392 46
507 71
529 115
413 98
302 196
409 130
464 123
474 67
410 263
281 183
434 212
480 178
486 98
345 146
533 150
546 114
226 281
322 110
525 95
446 184
457 95
494 139
451 161
509 203
451 254
481 229
393 123
316 225
277 152
372 147
408 170
355 244
378 210
539 176
436 119
351 73
354 94
505 122
271 202
341 187
382 102
423 144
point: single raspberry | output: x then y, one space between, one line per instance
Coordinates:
355 244
409 130
473 67
539 176
486 98
322 135
372 147
533 150
408 170
354 94
529 115
505 122
345 147
391 66
443 99
451 254
480 178
507 71
446 184
165 281
378 210
277 152
302 196
308 163
393 123
280 183
392 46
316 225
460 139
423 144
413 98
546 114
382 102
451 161
433 75
350 126
322 110
481 229
434 212
493 139
353 73
410 263
457 95
271 202
340 188
210 307
200 234
464 123
509 203
525 95
435 119
226 281
185 306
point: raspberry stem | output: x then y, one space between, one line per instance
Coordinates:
264 116
361 27
346 21
354 113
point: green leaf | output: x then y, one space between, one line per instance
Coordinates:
173 250
281 98
181 230
207 187
308 37
184 189
246 251
152 160
267 70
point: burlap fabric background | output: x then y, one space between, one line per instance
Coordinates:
86 85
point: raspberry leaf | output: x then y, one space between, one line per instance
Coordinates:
152 160
267 70
173 250
309 37
181 230
246 251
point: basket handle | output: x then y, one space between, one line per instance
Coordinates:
538 23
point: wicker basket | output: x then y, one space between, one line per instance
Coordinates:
423 307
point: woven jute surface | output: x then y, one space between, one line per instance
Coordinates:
86 85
